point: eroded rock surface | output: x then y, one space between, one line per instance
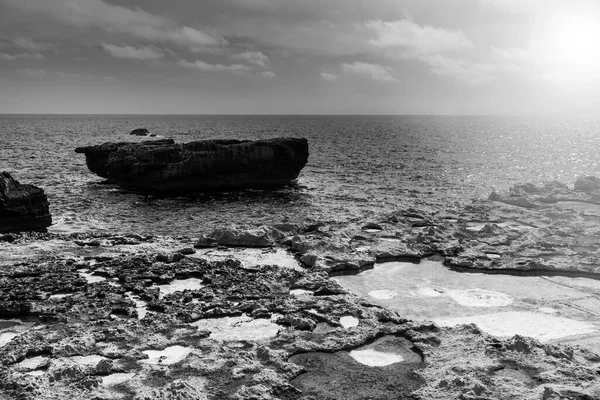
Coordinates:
22 207
244 332
163 166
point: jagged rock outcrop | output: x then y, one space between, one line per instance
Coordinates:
22 207
164 166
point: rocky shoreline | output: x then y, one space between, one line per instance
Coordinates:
253 312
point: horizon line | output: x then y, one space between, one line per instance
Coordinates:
314 115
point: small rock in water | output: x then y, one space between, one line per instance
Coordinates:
140 132
22 207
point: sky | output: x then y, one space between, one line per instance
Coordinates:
449 57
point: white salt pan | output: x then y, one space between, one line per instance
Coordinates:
374 358
301 292
348 321
90 278
239 328
6 337
383 294
543 327
168 356
88 361
480 298
430 292
179 285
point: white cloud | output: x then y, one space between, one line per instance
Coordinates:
412 39
203 66
118 19
29 44
467 71
131 52
269 74
12 57
374 71
253 57
512 54
328 77
38 72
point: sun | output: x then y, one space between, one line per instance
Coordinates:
566 45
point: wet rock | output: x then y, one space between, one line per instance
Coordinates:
166 167
239 236
140 132
169 257
22 207
186 251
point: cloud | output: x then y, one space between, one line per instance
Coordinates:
29 44
517 6
13 57
253 57
203 66
328 77
131 52
118 19
412 40
38 72
467 71
374 71
269 74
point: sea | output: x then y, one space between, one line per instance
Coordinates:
359 168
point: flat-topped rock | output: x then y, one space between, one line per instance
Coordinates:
22 207
167 167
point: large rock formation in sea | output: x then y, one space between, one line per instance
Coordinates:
165 166
22 207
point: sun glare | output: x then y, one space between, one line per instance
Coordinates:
566 43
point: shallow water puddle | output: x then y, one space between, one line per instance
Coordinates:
179 285
11 328
59 296
374 358
6 337
30 364
542 307
140 305
88 361
250 257
90 277
239 328
511 225
116 379
580 206
168 356
386 367
301 292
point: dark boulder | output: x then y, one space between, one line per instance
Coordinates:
22 207
140 132
163 166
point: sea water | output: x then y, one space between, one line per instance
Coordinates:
358 166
